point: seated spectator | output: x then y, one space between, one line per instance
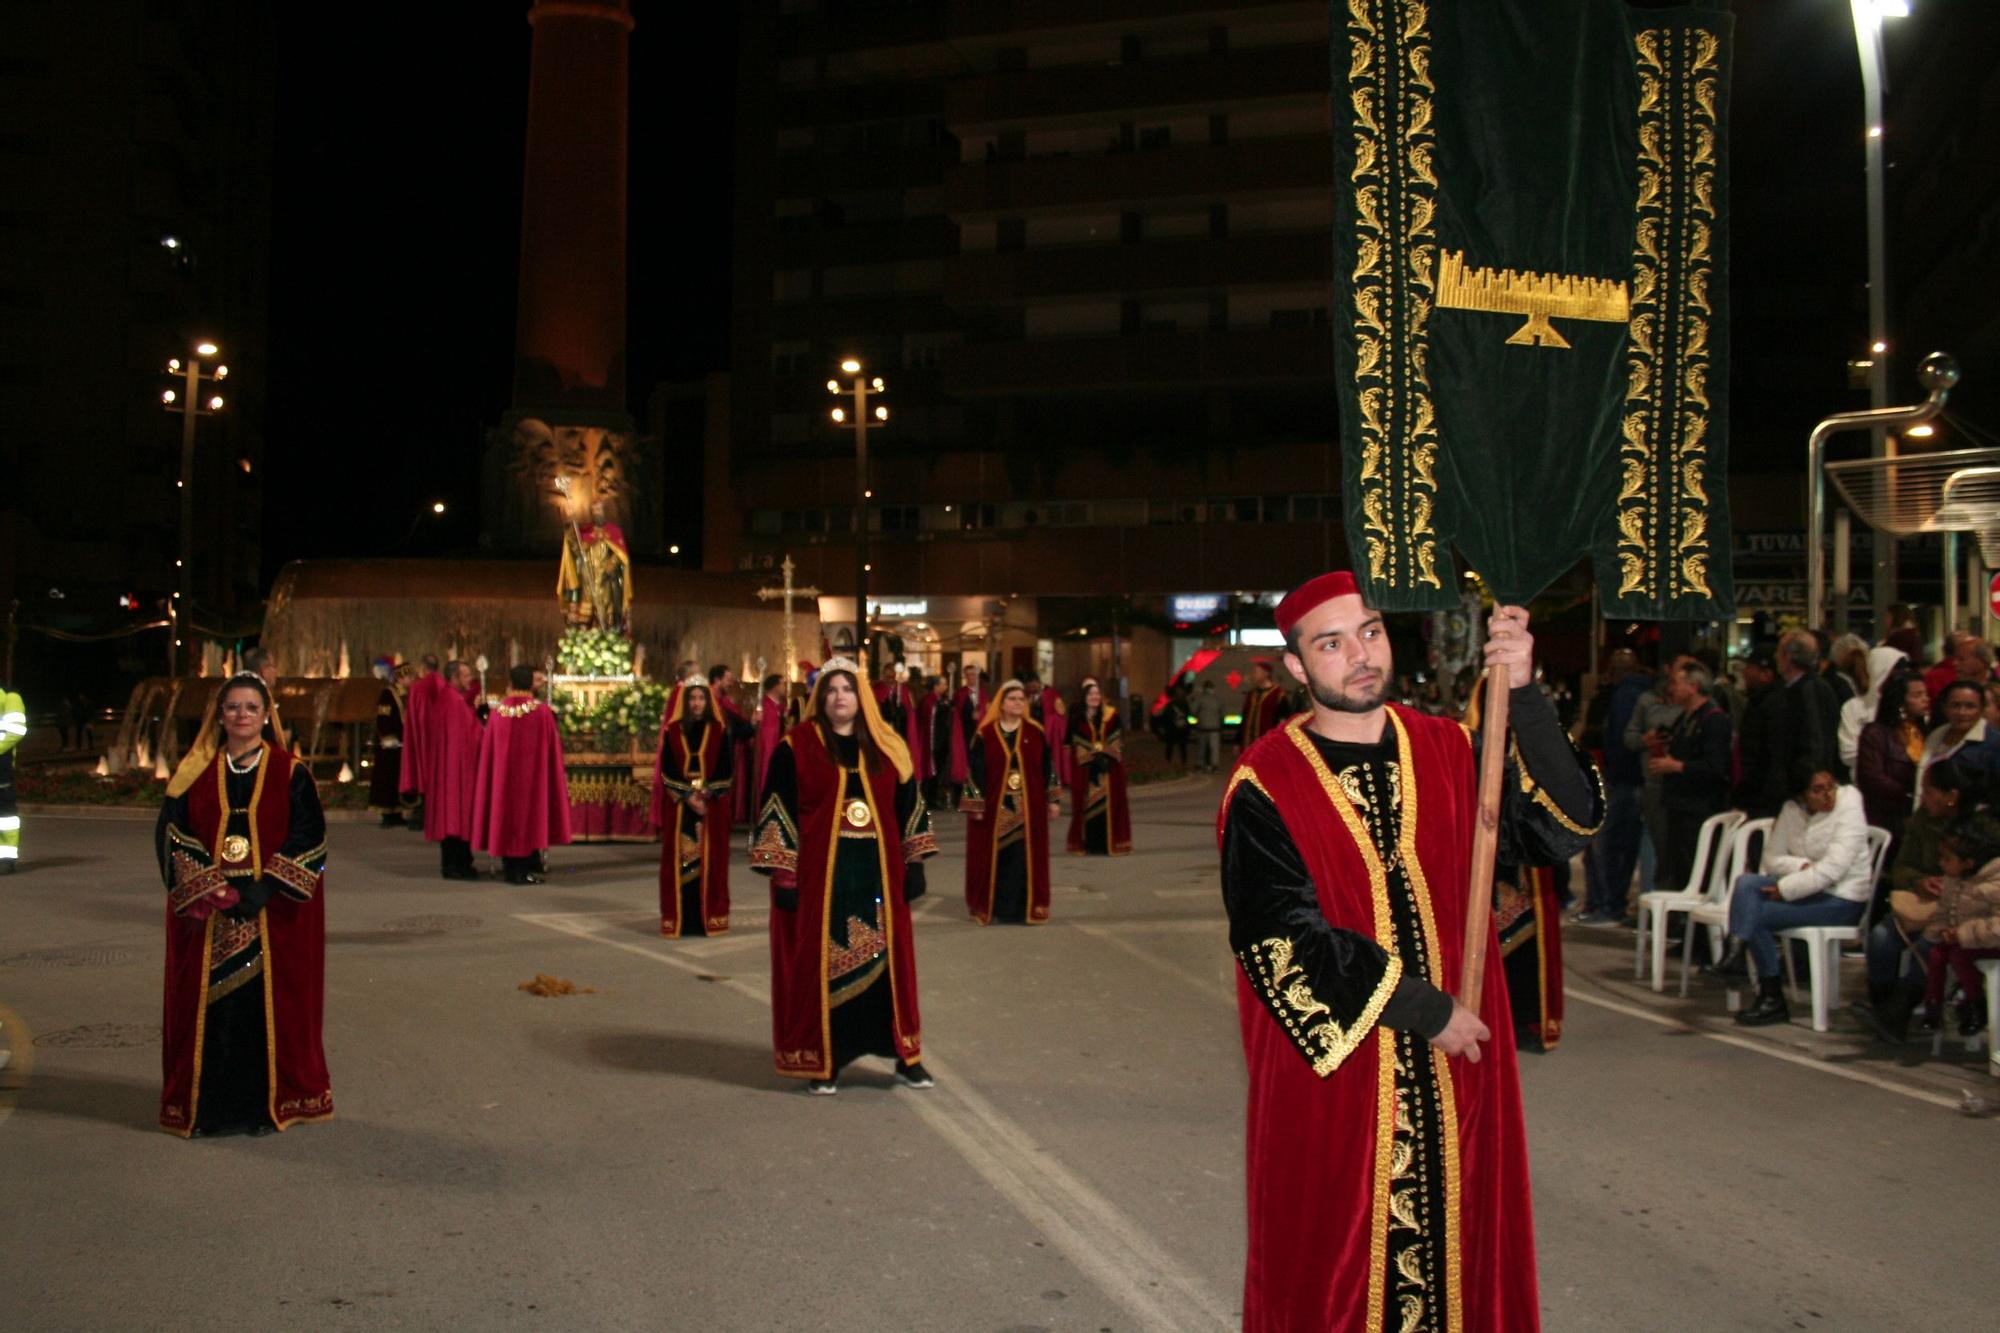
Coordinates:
1890 748
1962 728
1967 657
1858 713
1967 925
1897 949
1815 873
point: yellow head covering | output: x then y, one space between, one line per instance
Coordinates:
886 740
999 693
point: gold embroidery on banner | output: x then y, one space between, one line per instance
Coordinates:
1539 296
1393 287
1664 543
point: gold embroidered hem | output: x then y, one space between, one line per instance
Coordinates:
192 883
294 880
1309 1023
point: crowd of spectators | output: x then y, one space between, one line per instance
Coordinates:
1828 738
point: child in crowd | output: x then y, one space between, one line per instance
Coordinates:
1966 927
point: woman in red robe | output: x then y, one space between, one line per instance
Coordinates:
242 851
969 706
692 777
842 832
1011 797
1100 821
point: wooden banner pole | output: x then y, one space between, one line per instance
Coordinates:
1485 839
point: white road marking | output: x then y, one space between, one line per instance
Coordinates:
1765 1048
1115 937
1099 1240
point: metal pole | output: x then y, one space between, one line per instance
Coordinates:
1843 570
1937 374
861 636
1868 42
1950 561
189 408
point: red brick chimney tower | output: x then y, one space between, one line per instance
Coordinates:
569 416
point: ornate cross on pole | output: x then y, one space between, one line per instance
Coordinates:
788 591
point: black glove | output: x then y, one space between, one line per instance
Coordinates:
255 893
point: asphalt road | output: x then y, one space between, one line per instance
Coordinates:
626 1159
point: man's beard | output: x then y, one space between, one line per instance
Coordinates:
1365 701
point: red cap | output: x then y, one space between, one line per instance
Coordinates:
1300 601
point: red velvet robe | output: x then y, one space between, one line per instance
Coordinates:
424 691
1090 737
521 796
742 761
923 762
1261 712
292 927
801 1022
770 730
982 850
1055 727
680 769
1321 1211
451 761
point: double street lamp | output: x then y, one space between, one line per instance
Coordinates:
191 400
864 417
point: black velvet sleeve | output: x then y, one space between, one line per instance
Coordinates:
173 814
774 840
1553 799
1326 987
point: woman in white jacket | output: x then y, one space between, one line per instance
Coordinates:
1815 873
1858 712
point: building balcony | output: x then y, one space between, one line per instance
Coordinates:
848 103
860 316
1139 361
1198 84
868 243
808 171
985 21
1198 173
1192 266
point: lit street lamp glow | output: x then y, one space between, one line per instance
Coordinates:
1923 430
206 348
881 414
839 414
851 366
168 397
222 372
437 507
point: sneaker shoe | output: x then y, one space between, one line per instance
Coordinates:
914 1076
822 1087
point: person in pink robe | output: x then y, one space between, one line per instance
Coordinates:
520 803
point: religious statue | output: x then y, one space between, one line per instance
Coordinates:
595 582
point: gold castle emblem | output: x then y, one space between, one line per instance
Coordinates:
1539 296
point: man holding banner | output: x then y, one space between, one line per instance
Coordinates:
1388 1168
1530 349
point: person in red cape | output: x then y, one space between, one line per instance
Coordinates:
742 739
969 706
936 710
1011 798
1387 1166
771 728
1048 708
1100 821
898 706
411 781
520 802
842 832
693 775
1265 706
450 747
242 851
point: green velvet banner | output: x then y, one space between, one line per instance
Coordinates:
1530 298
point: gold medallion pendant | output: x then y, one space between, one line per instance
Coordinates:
1014 781
235 847
858 815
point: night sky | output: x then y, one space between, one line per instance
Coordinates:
397 227
396 219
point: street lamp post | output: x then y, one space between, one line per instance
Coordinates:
865 419
1869 16
188 401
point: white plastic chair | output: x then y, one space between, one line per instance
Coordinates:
1989 968
1657 909
1746 852
1823 942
